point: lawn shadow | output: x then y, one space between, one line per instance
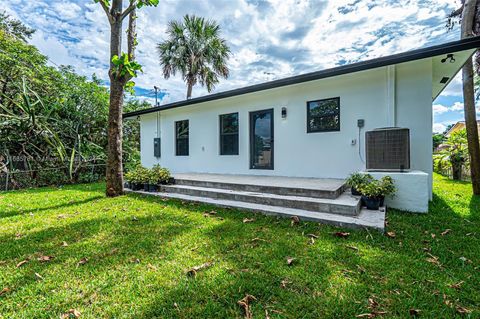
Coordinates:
70 203
331 277
249 261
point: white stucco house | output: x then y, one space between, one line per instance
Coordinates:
311 125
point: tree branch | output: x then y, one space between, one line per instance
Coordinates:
107 11
132 34
131 7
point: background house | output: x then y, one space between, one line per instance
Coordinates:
460 125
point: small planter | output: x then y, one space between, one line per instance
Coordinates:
136 186
371 203
145 187
355 192
169 181
382 201
126 185
152 187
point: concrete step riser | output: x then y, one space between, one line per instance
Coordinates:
288 203
286 191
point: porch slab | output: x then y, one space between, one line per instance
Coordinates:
281 185
365 219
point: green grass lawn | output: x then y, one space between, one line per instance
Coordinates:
128 257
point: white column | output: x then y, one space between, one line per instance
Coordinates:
391 110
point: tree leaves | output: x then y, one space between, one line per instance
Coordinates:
150 3
290 261
82 261
193 271
71 314
390 234
124 68
4 291
195 49
245 304
45 258
341 234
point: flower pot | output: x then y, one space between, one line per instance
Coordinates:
126 185
152 187
371 203
382 201
136 186
145 187
355 192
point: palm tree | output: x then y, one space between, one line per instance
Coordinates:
194 48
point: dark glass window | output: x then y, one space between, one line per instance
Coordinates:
229 134
181 138
323 115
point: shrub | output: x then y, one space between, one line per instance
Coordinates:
139 175
373 189
378 188
88 177
387 185
159 175
355 180
51 177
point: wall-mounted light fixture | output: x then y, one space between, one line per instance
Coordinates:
449 56
284 112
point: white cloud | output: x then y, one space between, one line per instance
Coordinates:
457 106
67 10
439 109
268 39
439 128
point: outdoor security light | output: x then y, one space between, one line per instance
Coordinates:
449 56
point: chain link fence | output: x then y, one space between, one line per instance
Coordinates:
19 179
448 172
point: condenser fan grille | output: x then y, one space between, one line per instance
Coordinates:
388 149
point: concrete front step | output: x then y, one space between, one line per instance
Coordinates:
279 185
344 204
366 218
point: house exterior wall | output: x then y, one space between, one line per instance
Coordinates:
363 95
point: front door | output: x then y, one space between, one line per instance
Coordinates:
261 139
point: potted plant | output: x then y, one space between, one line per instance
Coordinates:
371 194
152 180
374 192
388 188
355 180
144 178
128 179
137 178
162 174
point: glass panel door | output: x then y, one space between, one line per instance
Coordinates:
261 139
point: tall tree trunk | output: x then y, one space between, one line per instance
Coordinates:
189 89
469 99
114 175
114 171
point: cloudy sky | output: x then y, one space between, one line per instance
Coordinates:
269 39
